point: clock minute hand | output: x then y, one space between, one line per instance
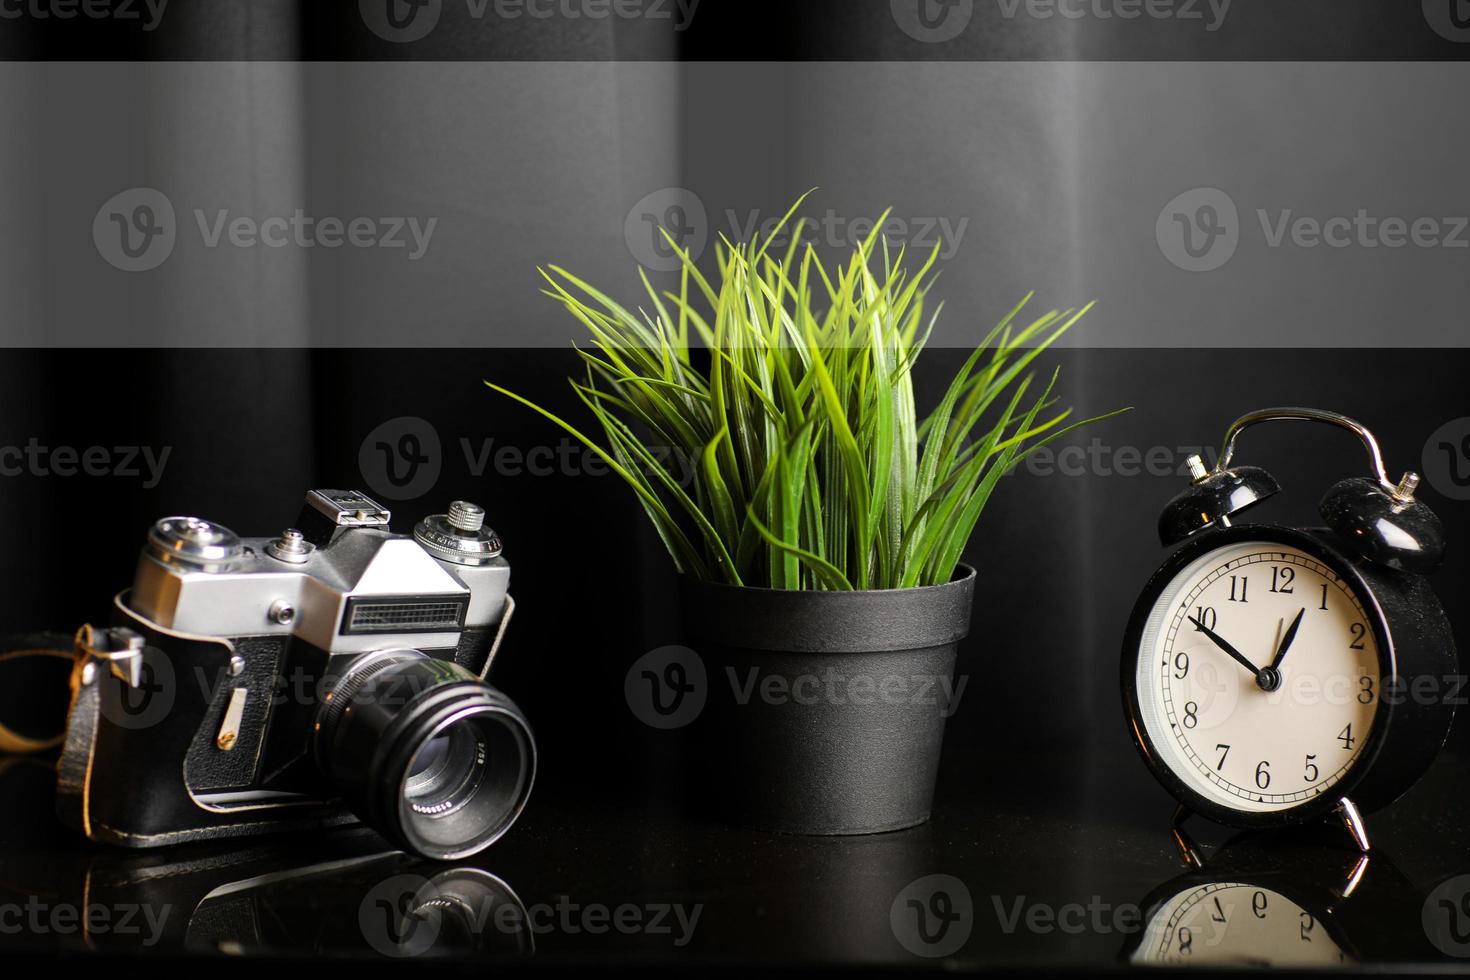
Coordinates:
1223 644
1286 639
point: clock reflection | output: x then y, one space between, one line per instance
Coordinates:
1295 900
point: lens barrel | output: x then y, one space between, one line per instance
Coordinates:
425 753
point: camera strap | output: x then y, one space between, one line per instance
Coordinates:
25 727
510 608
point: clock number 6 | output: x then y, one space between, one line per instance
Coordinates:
1263 775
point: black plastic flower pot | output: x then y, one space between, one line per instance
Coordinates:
825 710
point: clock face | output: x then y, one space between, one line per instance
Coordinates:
1258 677
1234 923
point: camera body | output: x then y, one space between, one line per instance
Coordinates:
331 674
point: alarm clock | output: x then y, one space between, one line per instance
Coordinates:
1275 676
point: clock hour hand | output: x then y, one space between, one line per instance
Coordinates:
1286 640
1223 644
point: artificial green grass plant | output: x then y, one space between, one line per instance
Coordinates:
810 467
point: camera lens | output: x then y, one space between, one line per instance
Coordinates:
447 771
427 754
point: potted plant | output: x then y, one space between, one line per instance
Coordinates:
819 539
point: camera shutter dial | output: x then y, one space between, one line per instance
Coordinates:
460 536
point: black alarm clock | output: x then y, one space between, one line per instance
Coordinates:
1274 676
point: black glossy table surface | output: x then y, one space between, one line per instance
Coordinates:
1058 859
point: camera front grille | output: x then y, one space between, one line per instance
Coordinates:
413 615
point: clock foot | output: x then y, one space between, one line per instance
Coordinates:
1347 811
1188 850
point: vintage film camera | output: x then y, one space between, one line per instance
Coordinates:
332 674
